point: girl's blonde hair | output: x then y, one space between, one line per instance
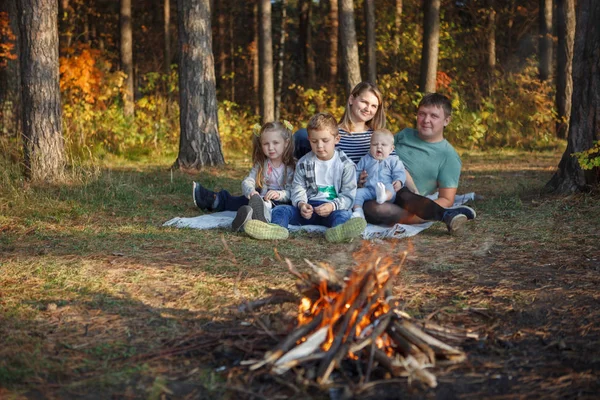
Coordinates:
378 121
259 157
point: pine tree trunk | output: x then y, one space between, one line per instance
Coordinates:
491 42
397 25
127 56
431 40
369 7
10 79
167 35
584 126
43 144
281 60
545 41
255 60
265 55
307 63
349 46
334 28
564 64
199 143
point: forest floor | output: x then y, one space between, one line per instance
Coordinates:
99 301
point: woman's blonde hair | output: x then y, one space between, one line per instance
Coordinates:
259 157
378 121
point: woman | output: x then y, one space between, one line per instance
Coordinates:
363 114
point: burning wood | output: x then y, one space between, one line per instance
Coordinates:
351 318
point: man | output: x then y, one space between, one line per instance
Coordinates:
433 164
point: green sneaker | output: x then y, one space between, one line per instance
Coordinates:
263 231
350 229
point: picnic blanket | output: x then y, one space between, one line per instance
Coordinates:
223 220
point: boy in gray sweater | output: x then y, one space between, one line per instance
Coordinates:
323 190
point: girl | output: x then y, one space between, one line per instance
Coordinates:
270 178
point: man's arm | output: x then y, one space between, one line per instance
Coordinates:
446 197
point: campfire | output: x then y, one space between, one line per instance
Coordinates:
353 320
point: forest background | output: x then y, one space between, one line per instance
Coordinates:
506 65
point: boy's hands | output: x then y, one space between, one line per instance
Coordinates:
306 210
272 195
397 185
324 209
362 179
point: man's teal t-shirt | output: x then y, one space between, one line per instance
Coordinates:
431 165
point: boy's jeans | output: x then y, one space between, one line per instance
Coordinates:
285 215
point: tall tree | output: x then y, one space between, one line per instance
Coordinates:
281 60
545 40
431 41
397 26
564 64
369 8
255 59
491 37
10 79
305 45
127 56
199 142
333 34
43 143
167 35
265 56
349 46
584 126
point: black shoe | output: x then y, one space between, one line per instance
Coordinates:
456 217
203 198
244 214
258 208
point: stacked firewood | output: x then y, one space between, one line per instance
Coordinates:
353 317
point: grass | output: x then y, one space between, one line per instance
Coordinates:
89 278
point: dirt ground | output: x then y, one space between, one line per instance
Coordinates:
158 318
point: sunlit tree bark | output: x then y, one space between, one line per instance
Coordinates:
167 35
199 143
43 144
127 56
349 46
431 40
397 25
584 126
333 33
265 55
